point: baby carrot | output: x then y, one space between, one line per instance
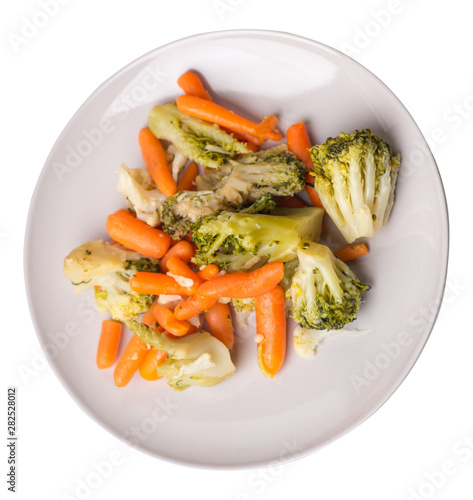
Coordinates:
208 272
298 142
129 361
156 162
188 177
126 229
351 251
155 284
239 285
168 321
191 84
108 343
148 368
183 249
270 313
211 112
219 320
178 267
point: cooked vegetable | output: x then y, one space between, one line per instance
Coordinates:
130 360
149 366
197 359
214 113
156 162
351 252
168 321
187 182
156 284
109 268
141 194
325 292
132 233
239 285
270 313
355 176
109 342
191 84
202 142
241 241
298 142
220 323
184 275
208 272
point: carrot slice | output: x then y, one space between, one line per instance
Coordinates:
124 227
109 343
219 320
156 162
298 142
191 84
129 361
148 368
188 178
211 112
270 313
351 252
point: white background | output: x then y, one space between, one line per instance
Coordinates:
415 445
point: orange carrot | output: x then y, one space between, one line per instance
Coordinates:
191 84
155 284
351 251
188 177
183 249
156 162
250 140
298 142
267 125
208 272
168 321
108 343
211 112
219 320
270 313
178 267
148 368
136 235
239 285
129 361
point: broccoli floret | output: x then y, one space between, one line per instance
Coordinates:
355 176
108 268
325 292
236 241
141 193
201 141
181 210
197 359
273 171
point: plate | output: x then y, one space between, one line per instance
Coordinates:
248 420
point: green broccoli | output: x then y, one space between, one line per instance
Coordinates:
201 141
236 241
196 359
325 293
273 171
355 176
108 269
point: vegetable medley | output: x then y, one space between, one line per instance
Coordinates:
192 251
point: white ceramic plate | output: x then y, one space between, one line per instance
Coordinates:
248 420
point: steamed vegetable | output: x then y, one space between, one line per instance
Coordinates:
109 268
197 359
355 176
325 293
